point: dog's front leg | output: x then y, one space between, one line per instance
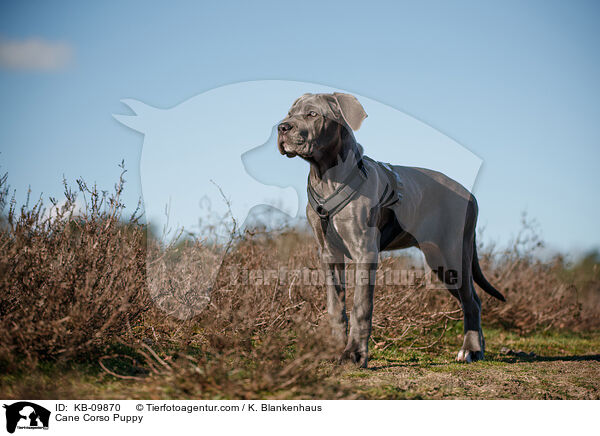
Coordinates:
335 275
362 311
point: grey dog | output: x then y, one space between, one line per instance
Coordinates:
359 207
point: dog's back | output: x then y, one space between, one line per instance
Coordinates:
429 198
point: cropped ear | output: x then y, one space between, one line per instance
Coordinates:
352 111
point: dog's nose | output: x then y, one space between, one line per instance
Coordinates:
284 127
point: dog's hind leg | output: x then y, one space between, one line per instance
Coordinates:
474 343
473 347
458 279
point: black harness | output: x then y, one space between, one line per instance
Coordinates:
326 208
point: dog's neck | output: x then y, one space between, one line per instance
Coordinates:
326 177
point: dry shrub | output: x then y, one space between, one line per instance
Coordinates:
254 336
540 293
70 282
69 279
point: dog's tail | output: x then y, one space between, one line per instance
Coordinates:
480 278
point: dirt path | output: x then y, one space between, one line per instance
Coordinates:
575 379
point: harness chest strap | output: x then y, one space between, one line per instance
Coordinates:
325 208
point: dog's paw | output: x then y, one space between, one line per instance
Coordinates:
356 357
472 349
469 356
363 362
346 357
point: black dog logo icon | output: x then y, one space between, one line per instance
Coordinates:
26 415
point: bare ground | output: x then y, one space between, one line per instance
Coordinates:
560 379
538 366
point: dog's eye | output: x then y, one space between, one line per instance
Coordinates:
312 114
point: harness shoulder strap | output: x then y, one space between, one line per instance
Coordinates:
340 197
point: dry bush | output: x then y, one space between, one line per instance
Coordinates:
540 293
219 319
76 281
69 279
253 336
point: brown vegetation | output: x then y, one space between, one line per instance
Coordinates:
89 286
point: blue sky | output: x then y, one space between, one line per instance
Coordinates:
514 82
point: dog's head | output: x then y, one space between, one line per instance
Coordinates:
317 124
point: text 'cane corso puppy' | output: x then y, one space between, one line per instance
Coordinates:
359 207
